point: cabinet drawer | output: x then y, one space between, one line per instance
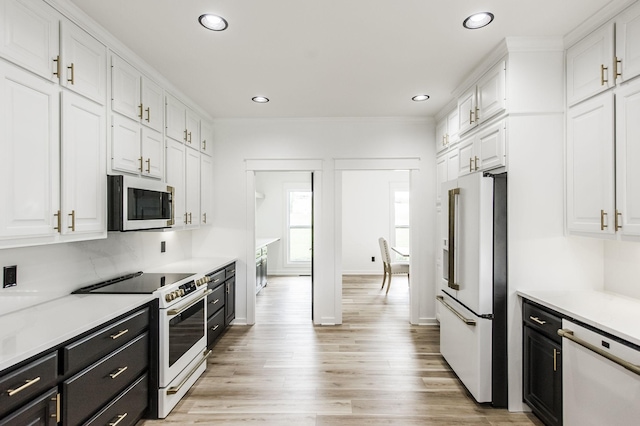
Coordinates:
25 383
90 389
215 300
216 279
93 347
41 411
215 325
127 407
543 320
230 270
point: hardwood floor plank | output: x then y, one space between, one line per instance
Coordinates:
374 369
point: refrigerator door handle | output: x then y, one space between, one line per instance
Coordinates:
453 214
456 313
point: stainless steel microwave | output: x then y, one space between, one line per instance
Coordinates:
135 204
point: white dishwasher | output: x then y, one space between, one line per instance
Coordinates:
600 378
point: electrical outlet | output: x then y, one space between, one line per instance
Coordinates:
163 246
373 258
10 276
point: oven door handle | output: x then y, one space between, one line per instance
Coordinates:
172 312
174 390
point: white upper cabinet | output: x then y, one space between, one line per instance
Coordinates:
84 63
206 137
483 101
206 190
453 125
589 65
175 155
627 63
29 148
135 96
83 165
182 123
152 152
484 150
627 159
192 186
590 166
125 146
441 135
467 158
30 36
441 175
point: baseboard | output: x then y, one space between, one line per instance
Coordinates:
368 273
428 321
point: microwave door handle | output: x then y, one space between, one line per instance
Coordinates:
453 221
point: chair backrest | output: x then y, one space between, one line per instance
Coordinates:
384 250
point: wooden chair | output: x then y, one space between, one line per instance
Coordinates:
390 268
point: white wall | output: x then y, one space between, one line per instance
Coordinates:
366 216
622 268
271 219
326 140
52 271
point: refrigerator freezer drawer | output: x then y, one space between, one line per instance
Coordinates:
466 347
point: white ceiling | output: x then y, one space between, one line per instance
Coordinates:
325 58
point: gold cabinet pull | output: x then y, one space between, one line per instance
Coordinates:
470 164
215 328
618 69
185 135
59 220
189 137
555 359
204 145
603 214
119 372
119 334
57 61
190 222
204 218
72 79
215 301
140 111
148 115
602 79
57 413
538 320
27 383
148 161
477 114
140 159
476 162
470 116
120 418
618 221
444 140
228 288
73 221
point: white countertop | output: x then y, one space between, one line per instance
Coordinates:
35 329
261 242
609 312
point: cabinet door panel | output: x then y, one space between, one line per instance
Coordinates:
628 157
125 145
84 62
193 129
628 43
206 136
153 101
466 163
590 165
84 175
441 176
29 148
206 190
453 124
453 164
492 93
41 411
152 152
589 65
441 135
125 89
175 155
491 142
175 119
30 35
193 187
466 111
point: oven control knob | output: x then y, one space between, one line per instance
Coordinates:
208 279
168 297
181 292
175 294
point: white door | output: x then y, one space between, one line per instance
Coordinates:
206 137
491 145
492 93
466 157
453 164
125 89
175 171
441 176
453 124
589 65
153 102
628 44
193 129
152 153
467 111
84 175
206 190
125 145
441 135
175 119
84 63
628 158
29 148
30 36
590 166
193 187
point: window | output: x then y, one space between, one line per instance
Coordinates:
299 226
399 220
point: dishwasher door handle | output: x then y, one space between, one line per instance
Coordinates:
568 334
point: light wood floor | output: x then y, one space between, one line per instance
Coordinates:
375 369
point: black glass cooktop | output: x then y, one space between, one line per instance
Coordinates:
138 283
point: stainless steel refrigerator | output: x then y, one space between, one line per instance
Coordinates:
473 290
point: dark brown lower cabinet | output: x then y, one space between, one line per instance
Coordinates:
42 411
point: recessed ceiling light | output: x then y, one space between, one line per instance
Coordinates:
478 20
420 98
260 99
213 22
